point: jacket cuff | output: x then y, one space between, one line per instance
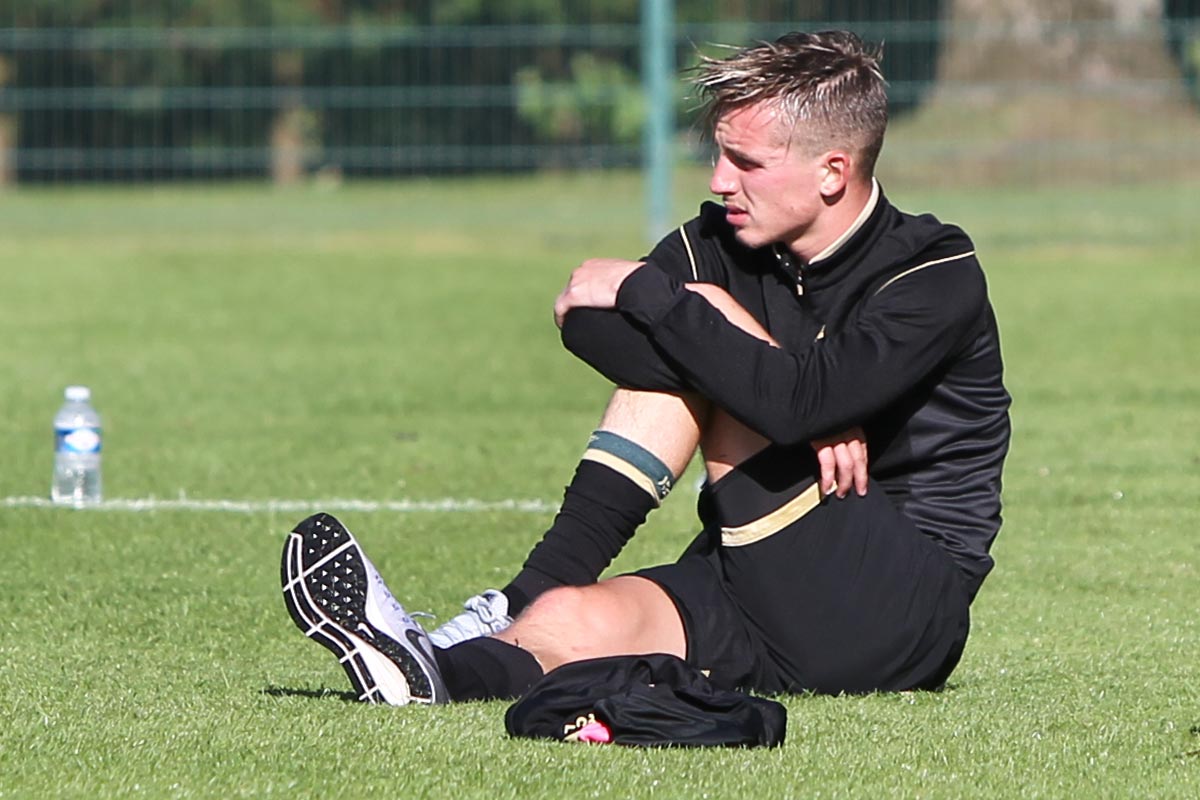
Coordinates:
648 294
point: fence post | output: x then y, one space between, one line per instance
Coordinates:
288 128
8 129
658 70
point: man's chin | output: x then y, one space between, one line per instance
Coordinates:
749 238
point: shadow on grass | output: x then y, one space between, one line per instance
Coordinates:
312 694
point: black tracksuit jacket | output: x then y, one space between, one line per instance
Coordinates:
893 331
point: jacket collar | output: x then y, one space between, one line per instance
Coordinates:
854 228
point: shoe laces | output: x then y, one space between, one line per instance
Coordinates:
482 615
481 606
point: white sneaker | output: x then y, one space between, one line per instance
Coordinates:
485 614
338 599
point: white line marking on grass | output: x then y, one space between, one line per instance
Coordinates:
464 505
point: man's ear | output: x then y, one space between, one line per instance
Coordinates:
835 172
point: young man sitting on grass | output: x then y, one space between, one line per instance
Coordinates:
781 331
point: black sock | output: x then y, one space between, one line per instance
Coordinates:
601 510
487 669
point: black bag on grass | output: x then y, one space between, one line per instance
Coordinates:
653 700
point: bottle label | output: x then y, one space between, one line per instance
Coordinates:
77 440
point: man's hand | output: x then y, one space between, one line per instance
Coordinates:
593 284
843 460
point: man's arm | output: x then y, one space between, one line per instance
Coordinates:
603 338
900 336
626 355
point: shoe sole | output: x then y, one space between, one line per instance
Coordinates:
325 587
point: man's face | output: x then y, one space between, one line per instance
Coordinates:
770 188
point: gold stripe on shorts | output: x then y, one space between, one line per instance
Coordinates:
774 522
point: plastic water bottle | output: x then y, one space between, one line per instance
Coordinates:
76 450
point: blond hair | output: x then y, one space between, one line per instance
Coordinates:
827 88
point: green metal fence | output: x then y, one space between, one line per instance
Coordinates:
125 96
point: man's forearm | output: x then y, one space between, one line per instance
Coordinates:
610 344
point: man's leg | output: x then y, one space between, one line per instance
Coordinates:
626 615
642 444
798 592
338 599
623 616
630 464
618 616
510 661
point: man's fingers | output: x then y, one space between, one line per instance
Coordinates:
570 297
593 284
828 464
560 308
845 468
843 461
858 457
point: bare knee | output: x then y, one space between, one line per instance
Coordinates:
560 626
557 608
622 616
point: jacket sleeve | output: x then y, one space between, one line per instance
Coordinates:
900 336
610 343
607 342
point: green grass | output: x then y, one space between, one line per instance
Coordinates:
395 341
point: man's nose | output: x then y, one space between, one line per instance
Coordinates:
722 181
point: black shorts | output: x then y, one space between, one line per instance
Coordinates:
851 597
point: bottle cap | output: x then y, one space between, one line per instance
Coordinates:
78 394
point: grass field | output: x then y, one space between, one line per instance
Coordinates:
394 342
